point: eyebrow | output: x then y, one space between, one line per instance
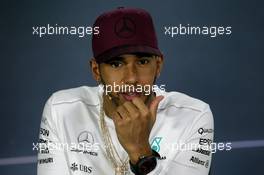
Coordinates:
140 55
120 58
117 58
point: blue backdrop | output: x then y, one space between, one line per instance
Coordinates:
225 71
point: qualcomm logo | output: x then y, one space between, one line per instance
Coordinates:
155 145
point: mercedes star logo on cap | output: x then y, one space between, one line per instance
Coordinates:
125 28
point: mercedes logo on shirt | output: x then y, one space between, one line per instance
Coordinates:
85 137
125 28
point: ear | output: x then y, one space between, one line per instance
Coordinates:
159 61
95 69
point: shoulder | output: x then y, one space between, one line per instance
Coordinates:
185 113
84 94
183 101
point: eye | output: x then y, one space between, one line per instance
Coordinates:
115 64
143 61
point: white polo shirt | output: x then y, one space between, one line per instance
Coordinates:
71 120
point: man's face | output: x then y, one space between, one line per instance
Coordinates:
125 71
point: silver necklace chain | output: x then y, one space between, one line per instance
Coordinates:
121 166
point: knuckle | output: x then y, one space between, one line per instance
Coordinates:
145 113
127 103
120 123
120 109
136 114
128 119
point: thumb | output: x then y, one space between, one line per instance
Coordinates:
154 105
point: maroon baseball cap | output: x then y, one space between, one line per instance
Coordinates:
124 31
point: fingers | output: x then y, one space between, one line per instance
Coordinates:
141 106
134 112
134 109
116 117
137 108
122 111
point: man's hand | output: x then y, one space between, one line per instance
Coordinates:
133 123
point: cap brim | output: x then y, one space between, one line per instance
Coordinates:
114 52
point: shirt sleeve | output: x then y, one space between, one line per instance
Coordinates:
51 158
195 155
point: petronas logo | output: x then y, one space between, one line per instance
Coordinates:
155 145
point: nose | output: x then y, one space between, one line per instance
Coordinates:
130 75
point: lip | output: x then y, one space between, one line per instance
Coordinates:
130 95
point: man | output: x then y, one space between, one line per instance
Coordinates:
125 126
